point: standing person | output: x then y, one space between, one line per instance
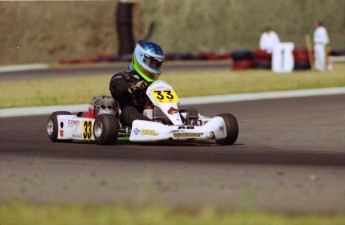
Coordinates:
268 40
320 41
129 87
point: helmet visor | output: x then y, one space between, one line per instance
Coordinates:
153 62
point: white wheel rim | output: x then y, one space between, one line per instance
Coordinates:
50 127
98 129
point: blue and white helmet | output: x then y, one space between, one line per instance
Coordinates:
147 61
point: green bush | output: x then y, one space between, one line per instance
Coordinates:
225 25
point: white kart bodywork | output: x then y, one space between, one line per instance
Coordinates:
147 131
76 128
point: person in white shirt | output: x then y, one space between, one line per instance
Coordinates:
320 41
268 40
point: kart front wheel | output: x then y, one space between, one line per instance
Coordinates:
53 126
105 129
231 126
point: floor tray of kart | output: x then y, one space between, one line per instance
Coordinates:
167 122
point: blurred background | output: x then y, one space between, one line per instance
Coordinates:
48 32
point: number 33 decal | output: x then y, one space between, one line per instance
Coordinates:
167 96
87 129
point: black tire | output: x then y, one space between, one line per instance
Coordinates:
53 126
302 66
105 129
262 64
337 52
241 55
231 129
242 65
262 55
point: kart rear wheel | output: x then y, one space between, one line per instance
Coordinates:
231 126
105 129
53 126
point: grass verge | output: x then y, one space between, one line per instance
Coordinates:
201 83
51 214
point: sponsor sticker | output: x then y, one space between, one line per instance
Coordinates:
172 110
187 135
148 132
61 133
136 131
222 129
78 136
74 122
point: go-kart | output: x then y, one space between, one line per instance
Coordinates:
167 122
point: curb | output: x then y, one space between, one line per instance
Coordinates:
46 110
262 96
23 67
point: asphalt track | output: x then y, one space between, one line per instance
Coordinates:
289 157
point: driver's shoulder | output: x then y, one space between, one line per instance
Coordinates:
124 75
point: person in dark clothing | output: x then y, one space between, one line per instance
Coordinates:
129 87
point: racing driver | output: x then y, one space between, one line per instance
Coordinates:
129 87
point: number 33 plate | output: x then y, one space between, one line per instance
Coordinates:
164 96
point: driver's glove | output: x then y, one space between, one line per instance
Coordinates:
138 86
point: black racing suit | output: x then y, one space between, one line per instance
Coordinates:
132 105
